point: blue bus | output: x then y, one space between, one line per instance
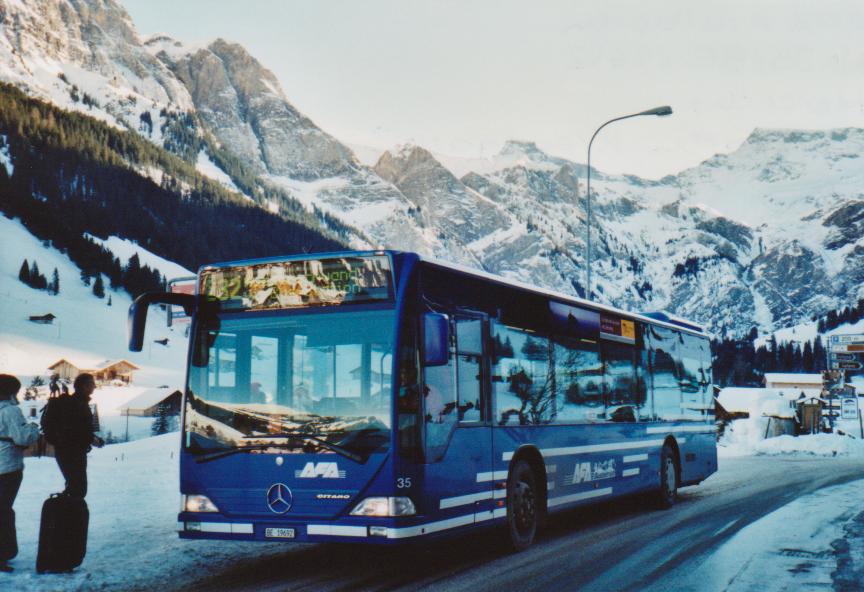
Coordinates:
381 396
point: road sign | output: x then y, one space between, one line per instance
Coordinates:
839 339
849 408
848 365
847 348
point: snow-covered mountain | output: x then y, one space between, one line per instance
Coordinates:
767 235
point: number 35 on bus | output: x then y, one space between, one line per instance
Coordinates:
381 396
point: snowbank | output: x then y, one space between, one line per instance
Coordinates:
745 437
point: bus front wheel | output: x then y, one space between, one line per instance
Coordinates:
667 494
522 505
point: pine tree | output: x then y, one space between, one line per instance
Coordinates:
24 274
85 277
160 423
55 282
109 299
37 280
99 287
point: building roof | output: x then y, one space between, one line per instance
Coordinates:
760 402
91 364
815 379
148 399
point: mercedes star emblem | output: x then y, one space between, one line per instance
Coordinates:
279 498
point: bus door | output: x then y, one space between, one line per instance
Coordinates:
458 434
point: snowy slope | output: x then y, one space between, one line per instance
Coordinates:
85 327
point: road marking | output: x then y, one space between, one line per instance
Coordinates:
725 528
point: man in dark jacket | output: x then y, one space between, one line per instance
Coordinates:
76 435
15 435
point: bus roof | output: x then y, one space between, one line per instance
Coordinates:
654 318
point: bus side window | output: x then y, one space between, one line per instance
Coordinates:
522 380
693 384
439 406
469 352
664 363
579 381
619 374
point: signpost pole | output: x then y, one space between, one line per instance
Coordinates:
860 423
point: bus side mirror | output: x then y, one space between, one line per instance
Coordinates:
436 339
138 312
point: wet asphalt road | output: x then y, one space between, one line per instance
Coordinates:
618 545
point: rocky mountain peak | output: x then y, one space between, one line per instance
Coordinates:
408 160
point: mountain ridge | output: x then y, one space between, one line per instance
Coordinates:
766 235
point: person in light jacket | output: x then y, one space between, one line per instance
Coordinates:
15 435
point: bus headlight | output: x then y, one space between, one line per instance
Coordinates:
198 503
384 506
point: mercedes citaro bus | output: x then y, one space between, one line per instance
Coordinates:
381 396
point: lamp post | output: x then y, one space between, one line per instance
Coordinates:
659 111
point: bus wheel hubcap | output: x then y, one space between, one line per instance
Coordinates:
670 476
523 506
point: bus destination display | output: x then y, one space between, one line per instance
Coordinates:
293 284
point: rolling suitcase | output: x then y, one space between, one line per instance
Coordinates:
62 534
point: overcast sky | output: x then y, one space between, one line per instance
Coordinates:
461 76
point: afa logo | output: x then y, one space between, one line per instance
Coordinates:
325 470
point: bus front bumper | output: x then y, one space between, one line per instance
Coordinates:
353 529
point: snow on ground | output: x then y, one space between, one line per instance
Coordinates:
123 249
208 168
85 326
793 548
744 437
133 499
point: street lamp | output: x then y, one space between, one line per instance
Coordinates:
659 111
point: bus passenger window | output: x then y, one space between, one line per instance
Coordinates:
620 380
693 380
521 378
664 367
579 381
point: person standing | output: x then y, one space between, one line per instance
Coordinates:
15 435
75 435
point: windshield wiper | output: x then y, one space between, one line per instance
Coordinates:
223 453
318 440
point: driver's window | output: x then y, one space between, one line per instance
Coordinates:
264 362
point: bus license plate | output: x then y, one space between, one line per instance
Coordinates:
279 533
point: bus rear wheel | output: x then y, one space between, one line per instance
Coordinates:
522 506
667 494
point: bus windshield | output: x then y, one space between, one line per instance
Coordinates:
285 383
